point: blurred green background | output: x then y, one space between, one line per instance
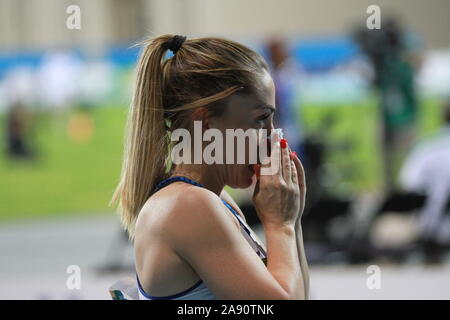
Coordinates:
79 149
78 177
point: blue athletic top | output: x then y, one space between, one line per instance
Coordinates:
199 291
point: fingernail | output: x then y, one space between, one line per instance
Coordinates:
295 154
291 155
283 143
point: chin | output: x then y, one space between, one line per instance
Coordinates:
244 179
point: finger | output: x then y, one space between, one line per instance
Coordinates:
264 169
300 170
256 190
285 161
294 173
275 156
301 179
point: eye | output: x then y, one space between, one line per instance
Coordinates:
263 118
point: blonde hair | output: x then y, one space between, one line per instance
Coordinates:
201 73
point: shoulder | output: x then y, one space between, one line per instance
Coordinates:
197 205
174 200
181 213
188 197
181 203
196 215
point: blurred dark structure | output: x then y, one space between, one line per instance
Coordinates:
427 170
386 49
425 199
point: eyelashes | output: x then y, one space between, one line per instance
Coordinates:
263 118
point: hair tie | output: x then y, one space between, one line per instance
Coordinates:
175 43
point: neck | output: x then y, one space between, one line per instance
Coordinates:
208 176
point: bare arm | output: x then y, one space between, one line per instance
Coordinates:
283 260
202 233
298 227
302 257
299 245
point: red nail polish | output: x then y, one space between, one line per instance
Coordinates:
291 155
295 154
283 143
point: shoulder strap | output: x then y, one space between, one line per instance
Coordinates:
170 180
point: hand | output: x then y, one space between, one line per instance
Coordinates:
301 181
277 196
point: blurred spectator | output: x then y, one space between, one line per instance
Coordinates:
17 125
427 170
286 75
387 49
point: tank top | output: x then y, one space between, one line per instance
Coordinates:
199 291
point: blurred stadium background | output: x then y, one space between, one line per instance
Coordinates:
64 95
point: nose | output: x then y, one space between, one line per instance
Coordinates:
269 128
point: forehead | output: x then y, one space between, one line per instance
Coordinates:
264 95
267 81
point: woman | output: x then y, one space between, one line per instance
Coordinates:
191 240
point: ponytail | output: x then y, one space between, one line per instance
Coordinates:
147 142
